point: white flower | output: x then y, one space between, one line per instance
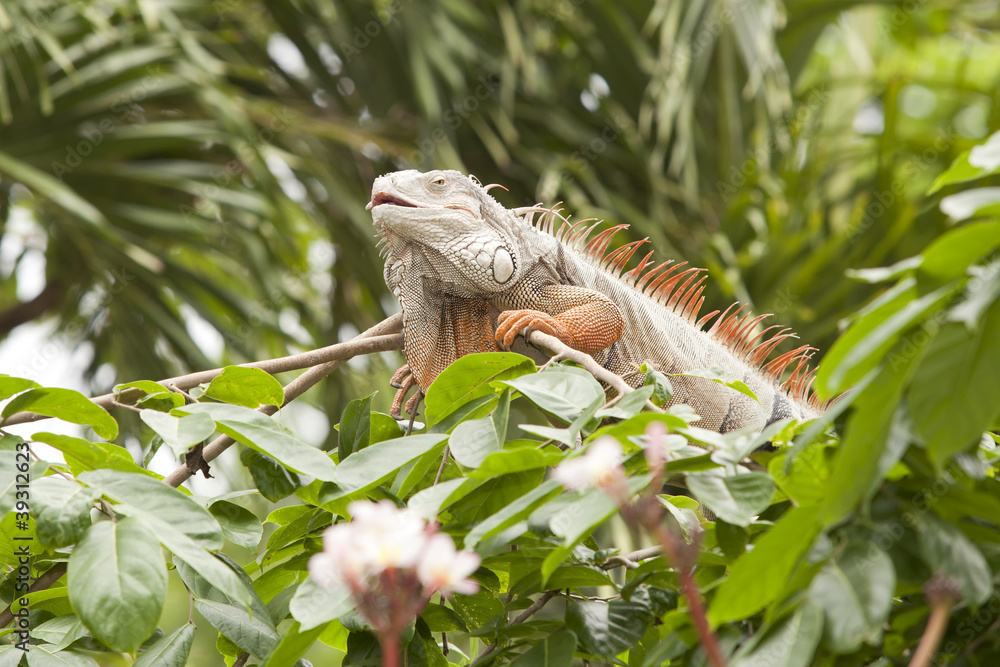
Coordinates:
339 563
387 536
600 467
380 537
443 569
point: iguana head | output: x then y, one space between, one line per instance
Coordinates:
449 219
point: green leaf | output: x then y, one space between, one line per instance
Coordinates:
791 644
262 433
157 397
442 619
157 499
805 482
949 256
513 512
719 376
977 202
54 189
273 480
855 592
757 578
61 631
249 387
605 629
9 471
179 433
472 441
355 426
84 455
118 582
170 650
629 405
12 385
516 460
314 607
955 392
146 386
469 378
292 646
45 656
975 163
580 518
945 548
564 391
856 466
383 427
62 510
164 401
248 633
65 404
430 501
556 650
866 342
372 465
478 609
734 499
183 526
239 525
662 389
732 539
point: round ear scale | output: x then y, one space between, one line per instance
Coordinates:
503 265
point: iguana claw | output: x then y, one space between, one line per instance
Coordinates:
510 323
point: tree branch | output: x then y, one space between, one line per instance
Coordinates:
50 577
563 351
33 309
366 343
312 358
524 616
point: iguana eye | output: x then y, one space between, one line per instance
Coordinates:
438 181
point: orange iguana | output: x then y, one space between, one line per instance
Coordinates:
471 276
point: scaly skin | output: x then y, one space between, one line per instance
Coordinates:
472 275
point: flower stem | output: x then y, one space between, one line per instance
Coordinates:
390 649
689 587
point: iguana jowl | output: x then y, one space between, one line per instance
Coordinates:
471 275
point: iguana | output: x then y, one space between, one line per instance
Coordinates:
471 276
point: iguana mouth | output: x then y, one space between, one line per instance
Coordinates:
383 198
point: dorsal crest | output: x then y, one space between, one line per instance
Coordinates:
679 289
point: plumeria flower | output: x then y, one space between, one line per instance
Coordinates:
388 537
443 570
338 563
599 468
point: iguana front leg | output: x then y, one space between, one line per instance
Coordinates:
453 328
582 318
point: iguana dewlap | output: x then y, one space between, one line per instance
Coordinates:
471 275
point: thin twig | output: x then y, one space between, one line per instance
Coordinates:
41 583
563 351
444 462
525 615
631 560
312 358
297 387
